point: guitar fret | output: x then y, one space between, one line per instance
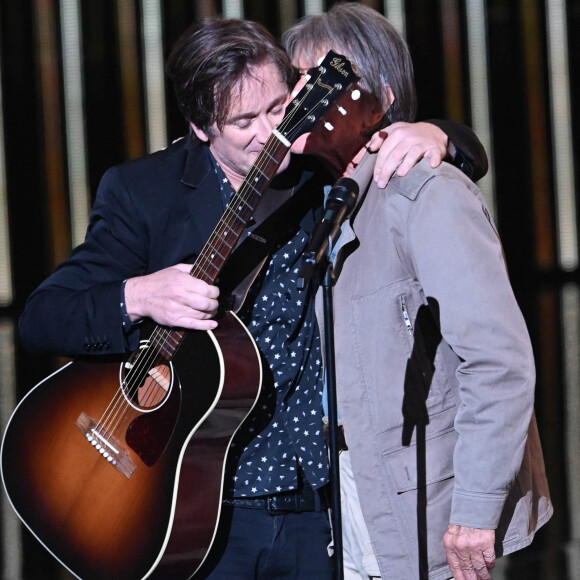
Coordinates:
214 267
244 202
276 161
168 352
225 241
211 269
216 252
301 113
166 342
236 215
174 339
263 174
250 185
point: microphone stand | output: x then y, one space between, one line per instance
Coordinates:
340 200
330 376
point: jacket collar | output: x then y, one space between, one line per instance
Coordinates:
198 164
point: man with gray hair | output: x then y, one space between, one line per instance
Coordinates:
435 371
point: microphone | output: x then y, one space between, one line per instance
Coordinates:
339 204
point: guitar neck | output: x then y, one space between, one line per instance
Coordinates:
227 232
324 84
240 210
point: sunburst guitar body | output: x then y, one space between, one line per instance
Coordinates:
118 467
124 482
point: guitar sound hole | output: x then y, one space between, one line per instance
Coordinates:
147 377
156 386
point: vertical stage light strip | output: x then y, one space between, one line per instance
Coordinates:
562 134
154 75
6 290
79 195
50 84
452 59
233 8
204 8
532 18
130 78
395 12
563 164
288 15
11 529
313 7
479 85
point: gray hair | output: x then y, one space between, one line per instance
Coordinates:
371 42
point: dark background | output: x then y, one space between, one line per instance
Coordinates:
522 169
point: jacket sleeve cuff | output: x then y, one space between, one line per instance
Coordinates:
476 510
470 157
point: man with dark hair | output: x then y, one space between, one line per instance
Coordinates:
151 218
435 371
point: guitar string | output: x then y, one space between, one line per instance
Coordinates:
237 202
161 335
145 360
233 220
252 177
269 156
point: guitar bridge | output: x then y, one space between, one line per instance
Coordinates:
106 445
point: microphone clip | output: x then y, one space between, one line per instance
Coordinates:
339 203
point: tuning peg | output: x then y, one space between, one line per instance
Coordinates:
355 95
341 110
328 126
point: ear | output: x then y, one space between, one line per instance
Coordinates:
201 135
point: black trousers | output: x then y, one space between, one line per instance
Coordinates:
261 546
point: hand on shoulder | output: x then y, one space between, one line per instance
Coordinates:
401 145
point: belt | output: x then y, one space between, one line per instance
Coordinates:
289 502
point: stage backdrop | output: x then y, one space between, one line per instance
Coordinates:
83 88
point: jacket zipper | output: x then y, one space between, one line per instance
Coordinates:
406 318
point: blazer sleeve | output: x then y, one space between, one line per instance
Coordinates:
470 157
77 310
458 260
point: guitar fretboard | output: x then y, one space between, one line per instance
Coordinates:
230 227
324 84
240 210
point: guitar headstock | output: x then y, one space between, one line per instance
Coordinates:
326 82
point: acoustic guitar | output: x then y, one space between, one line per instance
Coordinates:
117 466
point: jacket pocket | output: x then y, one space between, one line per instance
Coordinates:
422 477
404 466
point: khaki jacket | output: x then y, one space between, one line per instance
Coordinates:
435 373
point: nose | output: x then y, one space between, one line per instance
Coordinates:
264 125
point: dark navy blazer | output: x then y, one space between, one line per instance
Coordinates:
149 214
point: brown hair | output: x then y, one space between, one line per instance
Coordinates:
211 58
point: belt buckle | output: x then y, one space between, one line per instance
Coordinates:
271 506
291 507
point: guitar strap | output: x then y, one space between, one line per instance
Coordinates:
278 217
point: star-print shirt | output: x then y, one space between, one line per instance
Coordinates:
285 429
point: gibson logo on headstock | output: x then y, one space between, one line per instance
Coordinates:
339 64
